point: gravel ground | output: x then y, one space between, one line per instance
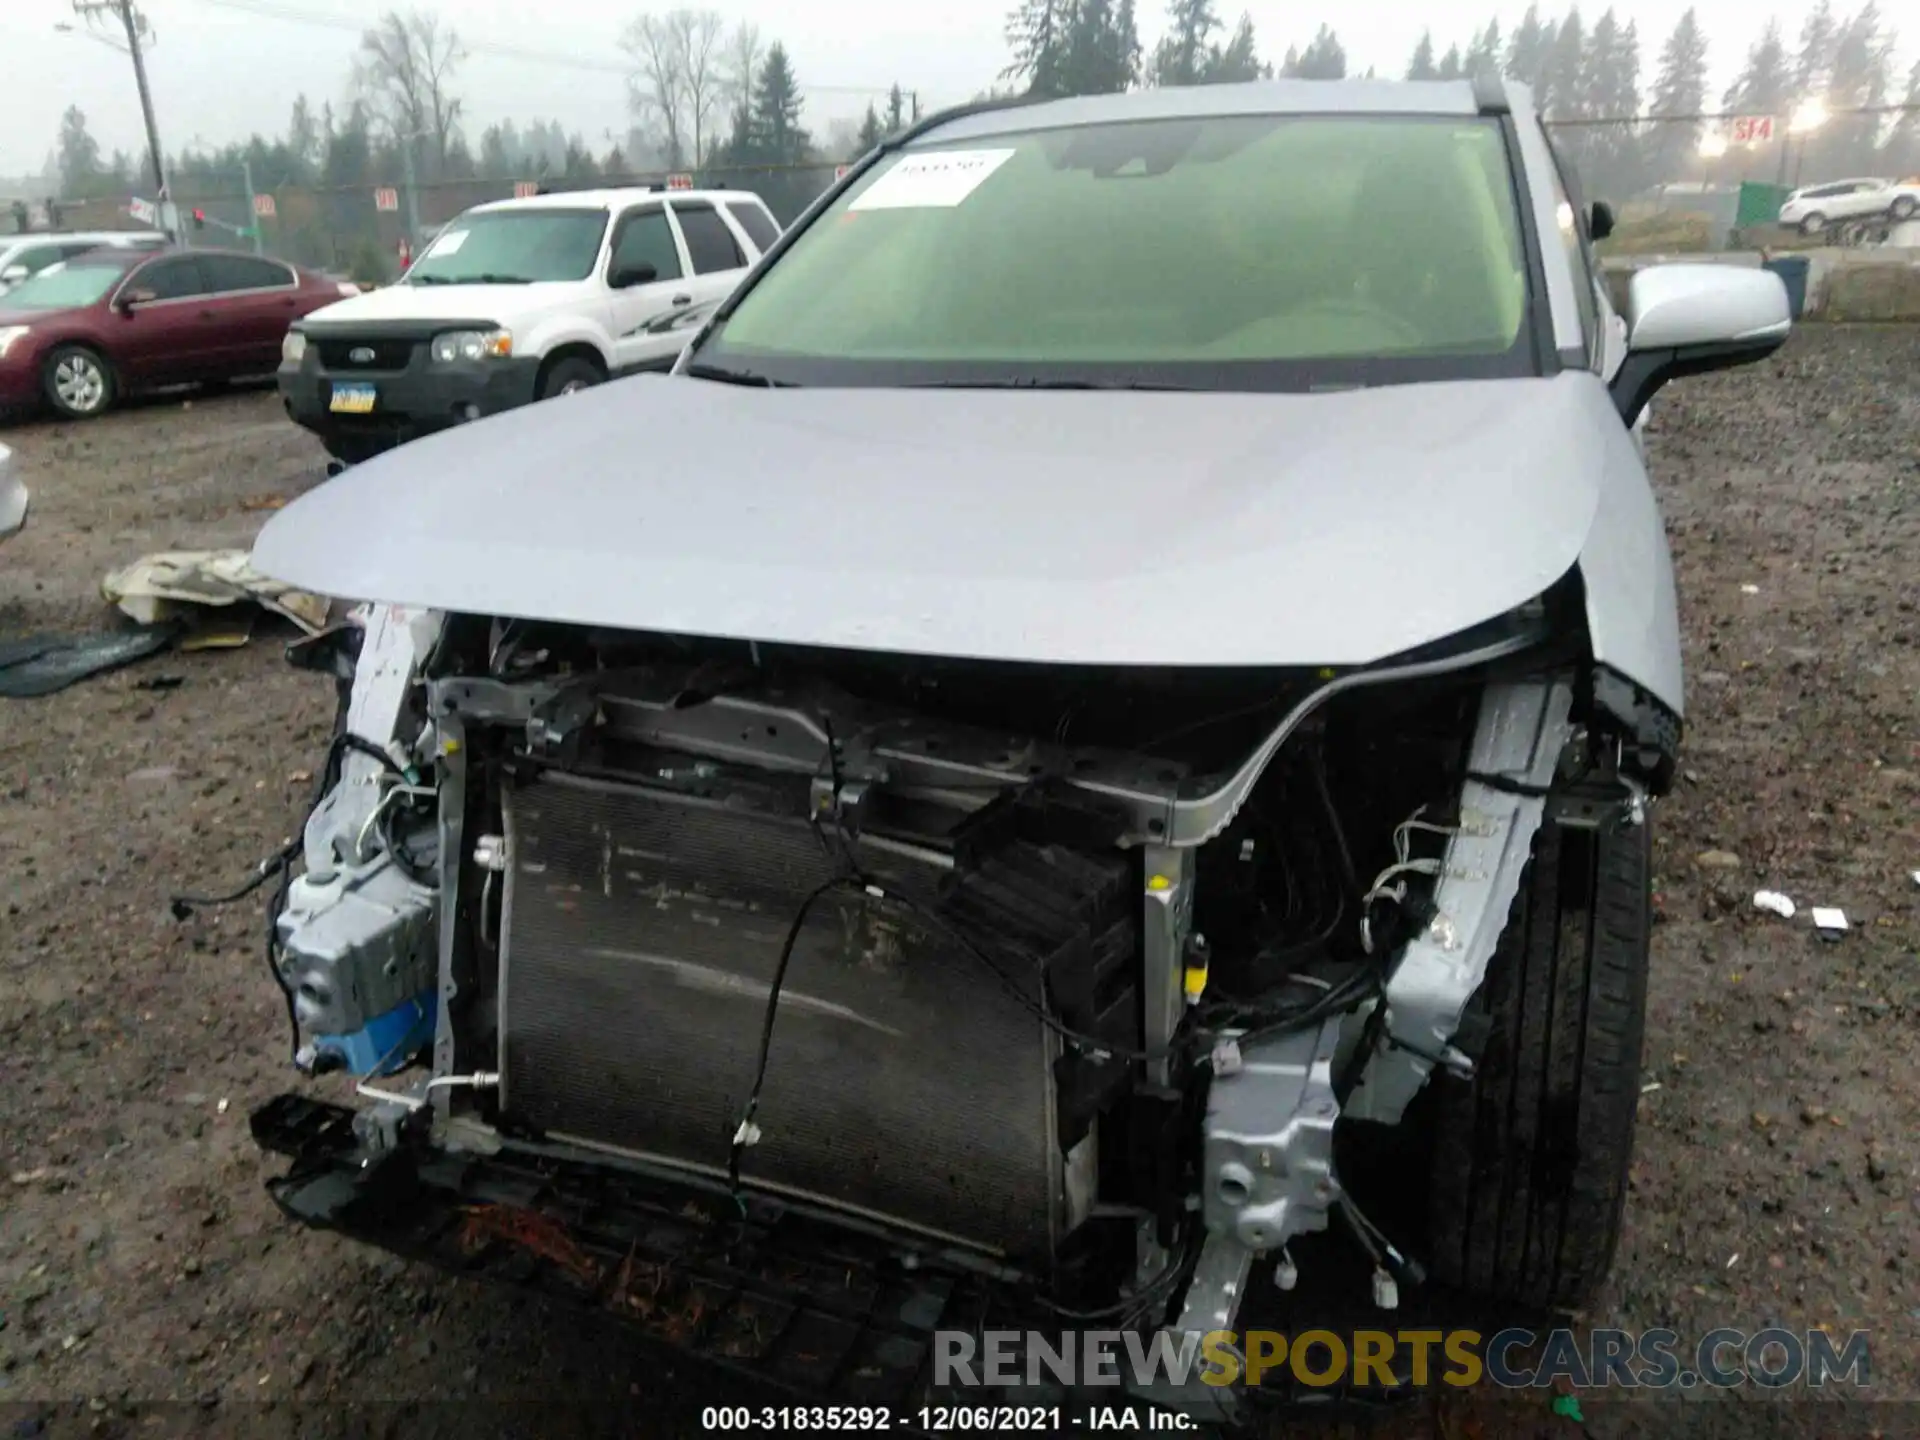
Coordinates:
1777 1175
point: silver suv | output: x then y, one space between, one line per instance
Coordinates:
1106 718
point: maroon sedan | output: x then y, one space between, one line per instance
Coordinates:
84 332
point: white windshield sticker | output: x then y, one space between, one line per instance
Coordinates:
447 244
939 180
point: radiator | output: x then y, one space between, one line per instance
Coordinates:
640 932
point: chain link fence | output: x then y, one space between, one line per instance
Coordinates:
349 231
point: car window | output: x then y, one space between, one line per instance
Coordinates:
175 278
513 247
756 222
1572 231
710 244
645 238
240 272
1241 252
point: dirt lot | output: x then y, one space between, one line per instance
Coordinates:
1778 1168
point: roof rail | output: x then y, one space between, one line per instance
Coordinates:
1490 93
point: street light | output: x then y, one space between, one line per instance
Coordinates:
1712 145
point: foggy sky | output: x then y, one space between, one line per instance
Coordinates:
218 74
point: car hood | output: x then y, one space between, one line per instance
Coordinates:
502 304
1098 527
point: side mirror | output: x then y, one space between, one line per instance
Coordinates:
628 276
13 275
130 298
1600 220
1690 319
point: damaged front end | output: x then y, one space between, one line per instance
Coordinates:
1006 989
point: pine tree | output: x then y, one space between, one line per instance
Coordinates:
304 143
1608 155
1765 83
1452 65
1421 66
1038 33
774 134
1902 151
1813 66
896 110
1238 60
1103 48
1180 57
1483 55
1562 93
1324 58
1861 76
79 155
1679 89
1527 51
870 132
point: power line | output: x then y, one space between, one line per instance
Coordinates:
272 10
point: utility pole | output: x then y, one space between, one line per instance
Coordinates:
413 205
135 24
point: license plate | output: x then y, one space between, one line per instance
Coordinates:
353 399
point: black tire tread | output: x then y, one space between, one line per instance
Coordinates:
1531 1157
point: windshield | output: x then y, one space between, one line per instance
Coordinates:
62 286
507 247
1257 252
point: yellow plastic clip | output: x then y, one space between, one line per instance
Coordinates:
1196 977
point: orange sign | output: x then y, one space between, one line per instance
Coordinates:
386 198
525 189
263 206
679 182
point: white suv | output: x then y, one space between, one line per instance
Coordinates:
1817 206
517 301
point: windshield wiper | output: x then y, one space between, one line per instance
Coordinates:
700 371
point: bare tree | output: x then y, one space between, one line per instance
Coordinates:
697 35
657 86
405 72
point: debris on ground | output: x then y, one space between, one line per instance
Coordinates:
184 583
44 664
1717 860
1774 901
1829 922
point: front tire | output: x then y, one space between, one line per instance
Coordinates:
1814 224
1904 207
1531 1156
569 377
78 382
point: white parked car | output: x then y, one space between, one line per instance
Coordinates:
1816 207
24 256
516 301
